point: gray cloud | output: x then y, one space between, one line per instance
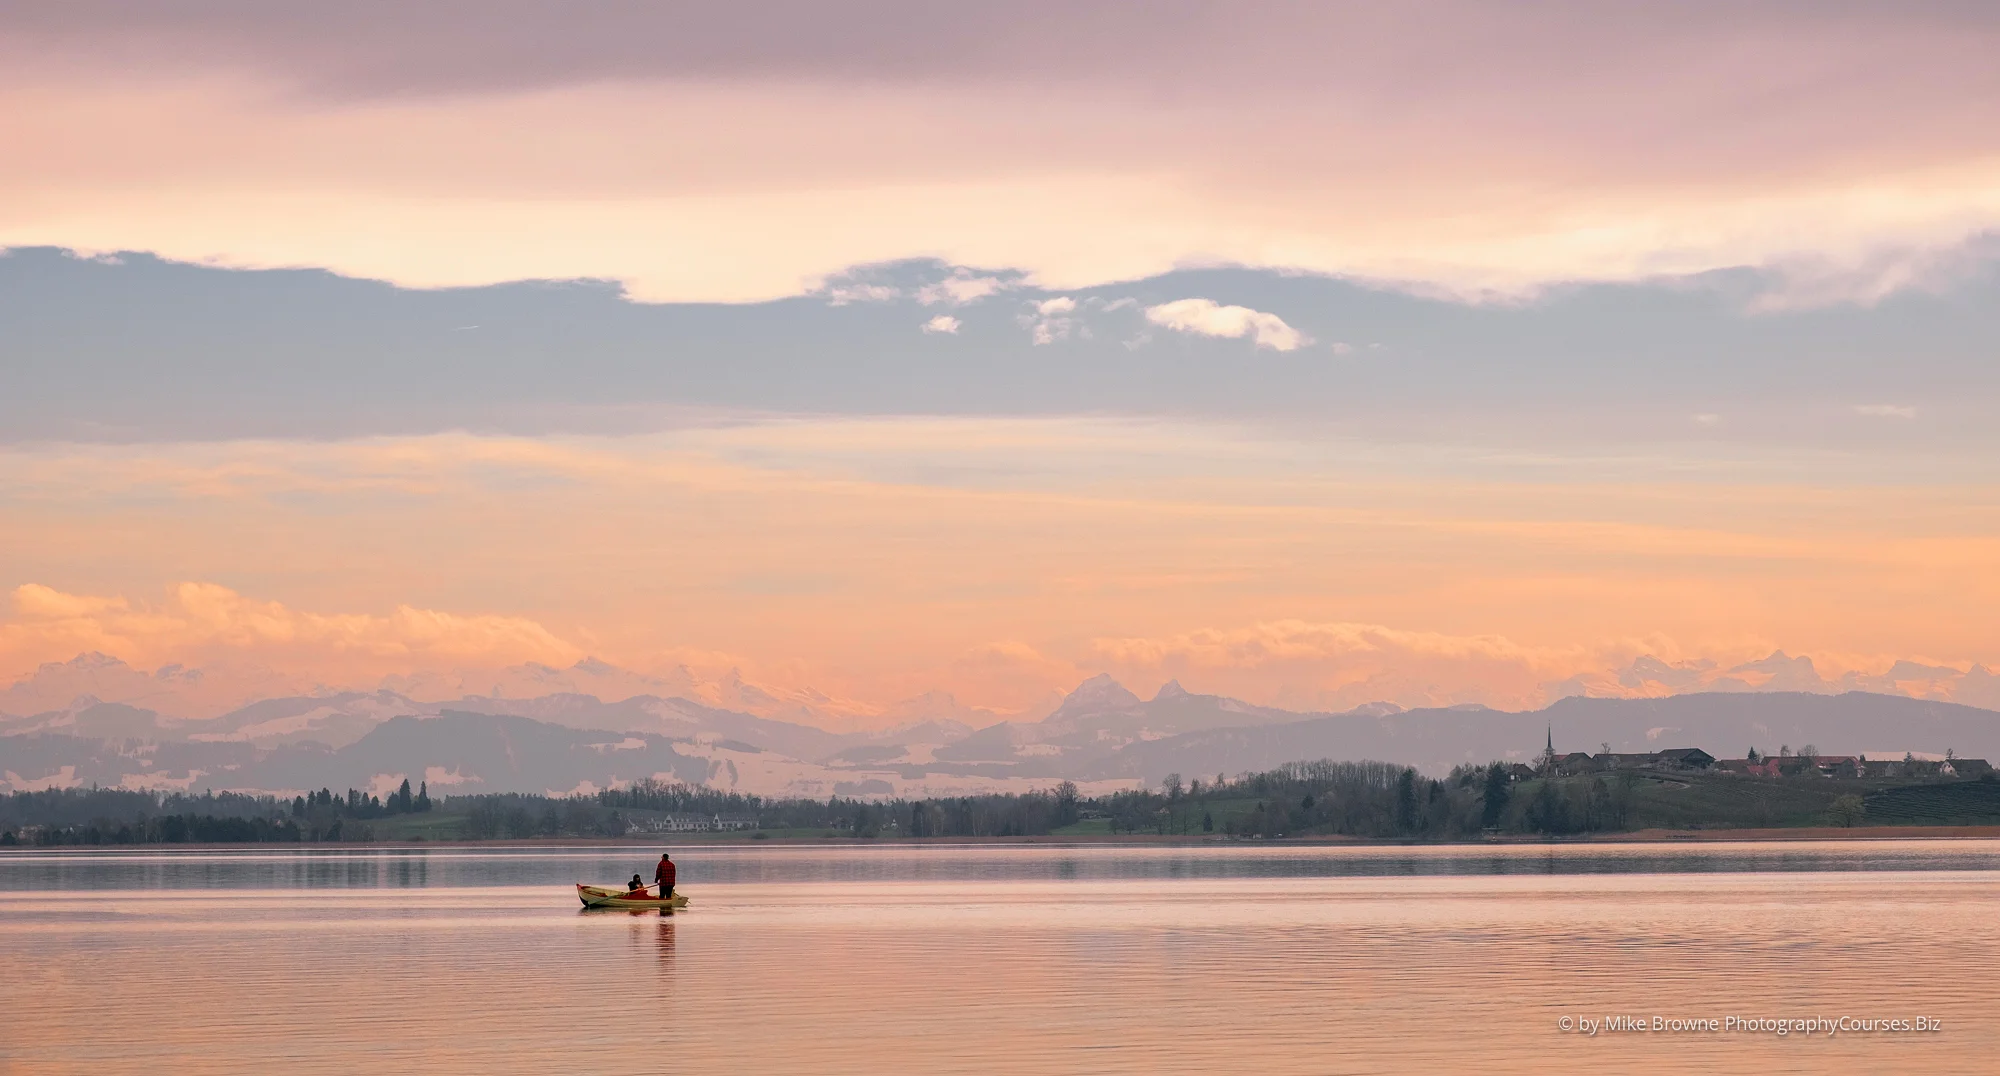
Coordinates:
140 349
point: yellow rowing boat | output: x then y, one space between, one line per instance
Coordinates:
597 896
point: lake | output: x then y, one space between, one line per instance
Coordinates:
1215 958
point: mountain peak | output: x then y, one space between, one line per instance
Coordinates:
1172 689
1099 694
86 662
1785 673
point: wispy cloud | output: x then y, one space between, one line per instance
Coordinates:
1206 317
1885 410
1051 320
1866 277
960 288
846 292
925 280
943 323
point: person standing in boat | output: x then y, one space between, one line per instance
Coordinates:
664 874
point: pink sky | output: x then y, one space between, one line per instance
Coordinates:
1493 154
743 152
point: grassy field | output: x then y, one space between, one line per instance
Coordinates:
428 826
1711 802
1963 803
1730 802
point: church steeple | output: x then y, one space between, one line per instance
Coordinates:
1548 759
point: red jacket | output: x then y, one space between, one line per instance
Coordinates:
664 874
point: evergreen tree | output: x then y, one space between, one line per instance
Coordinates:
1406 800
1495 806
1549 811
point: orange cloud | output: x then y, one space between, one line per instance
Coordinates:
201 621
1340 665
874 560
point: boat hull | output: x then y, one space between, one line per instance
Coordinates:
597 896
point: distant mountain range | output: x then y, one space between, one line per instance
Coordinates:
201 702
1724 724
1101 735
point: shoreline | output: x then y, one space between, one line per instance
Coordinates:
1811 834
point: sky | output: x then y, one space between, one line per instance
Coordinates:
1312 354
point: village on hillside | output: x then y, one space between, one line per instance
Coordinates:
1807 761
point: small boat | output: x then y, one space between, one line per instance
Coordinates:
598 896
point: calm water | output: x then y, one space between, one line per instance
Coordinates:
1215 959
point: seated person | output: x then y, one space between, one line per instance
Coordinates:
637 887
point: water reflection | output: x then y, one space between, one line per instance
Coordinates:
852 959
663 945
320 868
635 913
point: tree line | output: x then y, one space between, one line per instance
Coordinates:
1323 798
328 816
80 816
76 816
